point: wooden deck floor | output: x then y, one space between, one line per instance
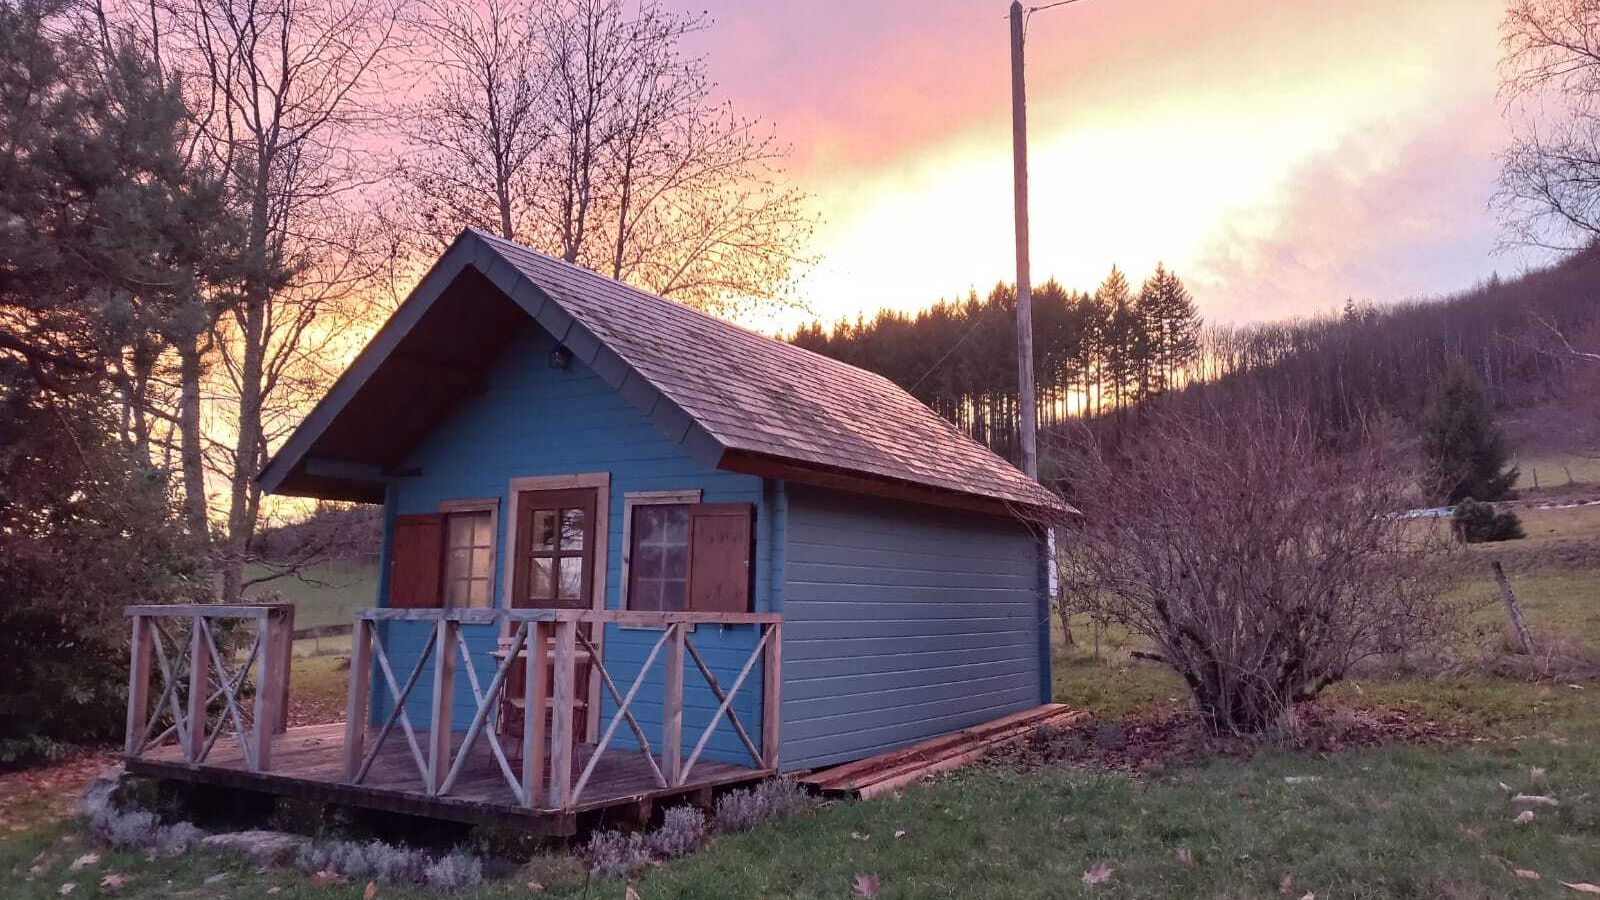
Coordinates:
307 763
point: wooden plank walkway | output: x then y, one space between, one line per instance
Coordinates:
307 763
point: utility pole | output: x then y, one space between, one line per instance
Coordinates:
1019 168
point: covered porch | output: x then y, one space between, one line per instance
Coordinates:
208 685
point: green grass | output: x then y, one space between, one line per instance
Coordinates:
1393 822
331 597
1559 470
1399 821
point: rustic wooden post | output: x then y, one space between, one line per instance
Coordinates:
281 636
355 711
139 659
772 698
1513 609
535 685
444 689
269 693
561 715
672 708
199 688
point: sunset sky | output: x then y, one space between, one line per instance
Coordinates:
1280 155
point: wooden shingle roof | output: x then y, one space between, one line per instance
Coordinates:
738 399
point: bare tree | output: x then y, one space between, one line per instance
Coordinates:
1259 563
1550 79
581 128
281 92
474 138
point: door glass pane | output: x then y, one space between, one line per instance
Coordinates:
544 529
461 526
480 531
478 593
540 570
480 563
571 577
459 564
572 522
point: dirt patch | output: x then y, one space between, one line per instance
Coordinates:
1142 744
33 796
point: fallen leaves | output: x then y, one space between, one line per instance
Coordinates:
866 885
371 891
1099 873
1526 874
1184 856
1524 817
630 894
899 834
88 859
325 878
535 886
1582 887
858 836
66 888
1540 799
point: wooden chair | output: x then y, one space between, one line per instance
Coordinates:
513 705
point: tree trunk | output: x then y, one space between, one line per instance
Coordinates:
252 321
191 457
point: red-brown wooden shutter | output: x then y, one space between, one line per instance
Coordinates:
721 536
415 560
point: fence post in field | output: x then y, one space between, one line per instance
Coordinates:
1513 609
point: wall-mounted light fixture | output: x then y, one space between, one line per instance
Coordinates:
560 357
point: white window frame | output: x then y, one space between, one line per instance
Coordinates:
632 499
491 505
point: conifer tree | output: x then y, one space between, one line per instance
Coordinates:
1465 449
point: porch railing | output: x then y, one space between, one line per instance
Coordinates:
199 663
545 634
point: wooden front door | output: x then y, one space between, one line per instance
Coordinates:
554 568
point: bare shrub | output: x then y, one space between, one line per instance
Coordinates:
455 871
775 798
616 854
682 830
383 862
1261 558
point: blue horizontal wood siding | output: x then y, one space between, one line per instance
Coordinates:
535 420
901 622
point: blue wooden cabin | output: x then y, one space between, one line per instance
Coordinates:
544 438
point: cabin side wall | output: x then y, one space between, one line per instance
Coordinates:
903 622
533 420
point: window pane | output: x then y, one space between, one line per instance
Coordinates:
572 529
646 562
455 593
673 595
675 562
539 571
649 523
677 524
571 577
544 529
645 595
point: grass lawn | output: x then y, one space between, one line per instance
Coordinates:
334 592
1559 470
1422 821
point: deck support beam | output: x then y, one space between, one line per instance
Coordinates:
444 691
355 715
199 688
672 708
140 657
561 736
536 686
